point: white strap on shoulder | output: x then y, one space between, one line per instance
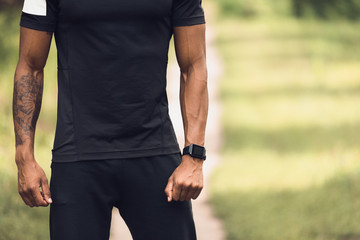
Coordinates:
35 7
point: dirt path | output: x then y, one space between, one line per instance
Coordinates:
208 227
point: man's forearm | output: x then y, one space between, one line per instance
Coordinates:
186 182
194 102
28 89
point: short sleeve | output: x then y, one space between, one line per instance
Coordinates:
187 12
39 15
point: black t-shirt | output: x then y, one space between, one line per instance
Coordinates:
112 62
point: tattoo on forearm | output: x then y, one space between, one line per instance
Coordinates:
26 105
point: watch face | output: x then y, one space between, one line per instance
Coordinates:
195 151
199 151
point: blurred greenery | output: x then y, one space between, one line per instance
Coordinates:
327 9
322 9
322 212
17 221
254 8
291 122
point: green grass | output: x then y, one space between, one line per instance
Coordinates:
325 212
291 123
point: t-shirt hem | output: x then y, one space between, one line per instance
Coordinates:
56 157
189 21
36 25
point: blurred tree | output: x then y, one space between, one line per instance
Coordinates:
4 3
321 9
327 9
254 8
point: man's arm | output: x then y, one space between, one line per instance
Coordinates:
187 180
28 88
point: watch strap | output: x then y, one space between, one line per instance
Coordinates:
186 150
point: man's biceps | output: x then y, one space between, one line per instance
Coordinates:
33 58
34 41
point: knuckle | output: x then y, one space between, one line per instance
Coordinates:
31 191
187 184
194 186
180 183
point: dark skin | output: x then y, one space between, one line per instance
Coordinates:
185 183
28 87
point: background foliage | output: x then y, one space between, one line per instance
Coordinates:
327 9
291 118
322 9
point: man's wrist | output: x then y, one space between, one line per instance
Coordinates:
25 148
195 151
199 142
192 159
26 145
24 154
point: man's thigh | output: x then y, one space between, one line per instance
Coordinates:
143 204
82 202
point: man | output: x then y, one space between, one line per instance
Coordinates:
114 143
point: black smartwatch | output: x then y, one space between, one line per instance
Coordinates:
195 151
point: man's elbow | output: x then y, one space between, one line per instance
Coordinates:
30 65
196 71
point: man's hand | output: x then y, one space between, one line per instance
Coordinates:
186 182
32 182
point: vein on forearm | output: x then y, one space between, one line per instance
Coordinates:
191 55
27 99
194 103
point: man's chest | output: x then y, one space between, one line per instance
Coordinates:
113 9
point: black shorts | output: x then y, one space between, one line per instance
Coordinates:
85 192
